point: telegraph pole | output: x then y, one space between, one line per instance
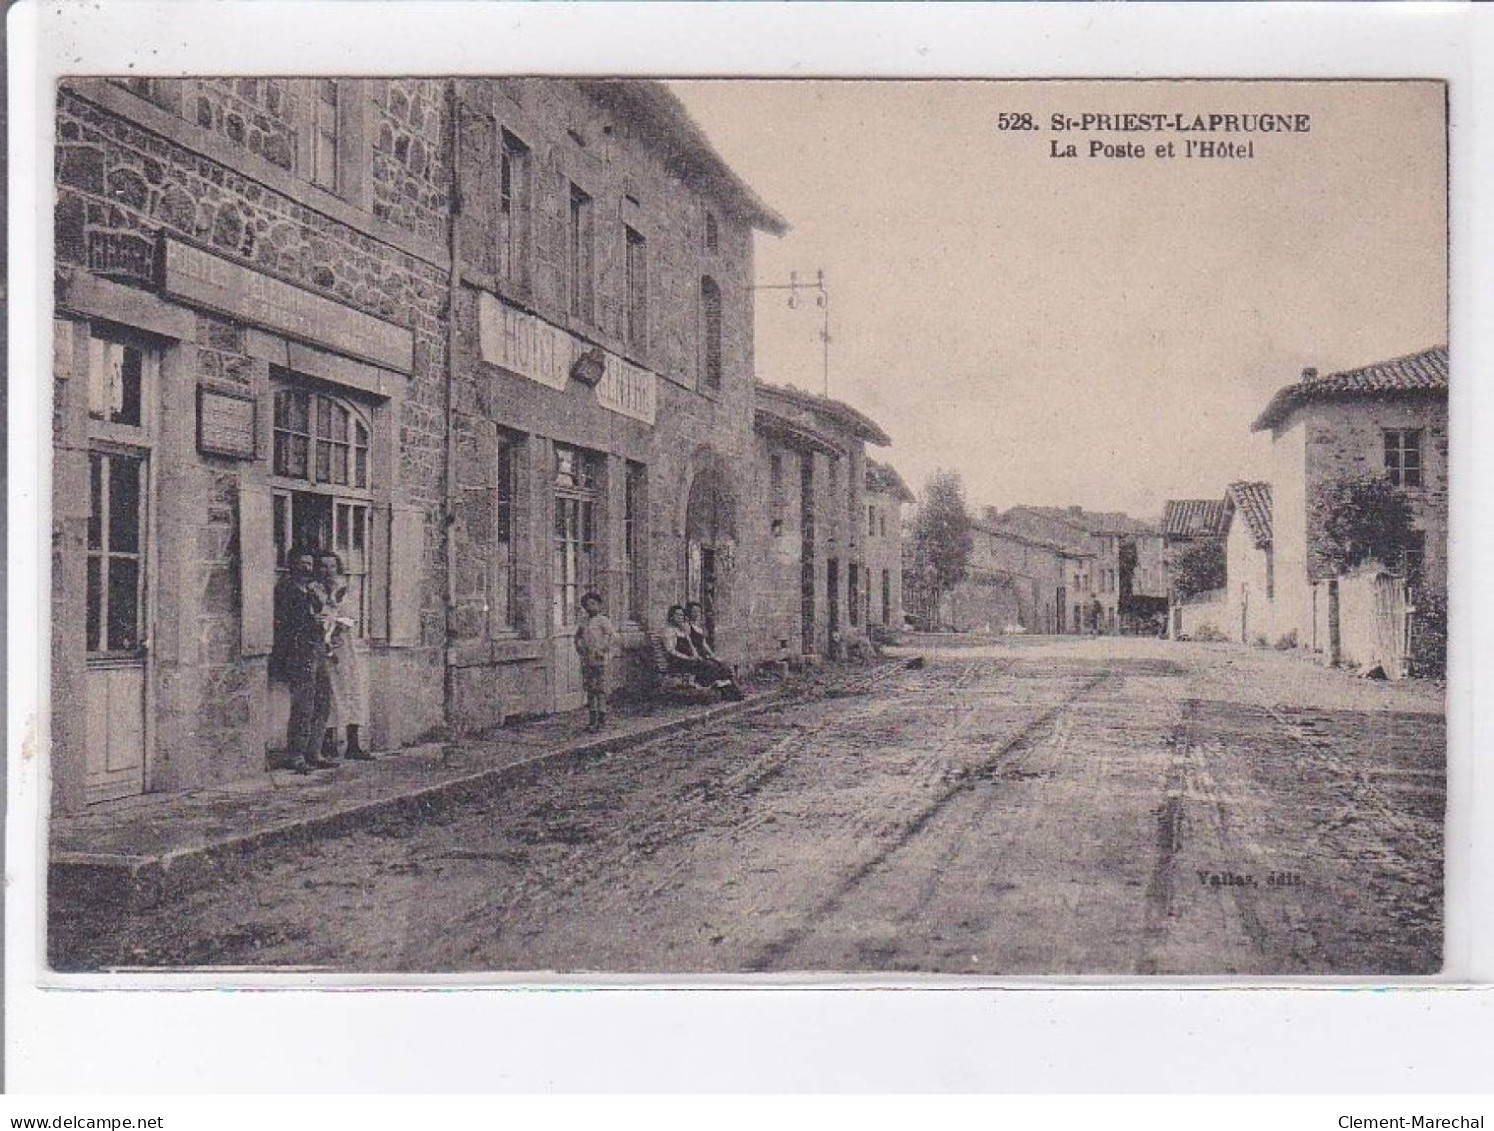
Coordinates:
821 299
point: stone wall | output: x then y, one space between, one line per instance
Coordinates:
989 602
263 115
1034 571
410 158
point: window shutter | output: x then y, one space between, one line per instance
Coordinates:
257 573
406 557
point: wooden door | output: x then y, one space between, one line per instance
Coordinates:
573 554
117 739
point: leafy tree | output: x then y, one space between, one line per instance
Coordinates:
1197 566
1361 518
942 538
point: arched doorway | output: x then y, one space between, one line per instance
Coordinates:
710 544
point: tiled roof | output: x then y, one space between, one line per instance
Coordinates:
1424 372
1094 522
1001 530
1035 527
884 477
1253 502
1193 518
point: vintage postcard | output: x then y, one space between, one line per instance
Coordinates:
656 527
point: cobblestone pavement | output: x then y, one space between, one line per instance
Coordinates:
1058 806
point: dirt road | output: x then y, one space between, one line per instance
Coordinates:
1068 806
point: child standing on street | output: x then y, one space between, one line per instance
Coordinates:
595 639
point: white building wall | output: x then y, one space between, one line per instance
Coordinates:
1249 609
1293 604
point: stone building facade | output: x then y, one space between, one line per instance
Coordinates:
602 386
1094 577
810 554
1013 580
249 350
489 340
1388 418
886 495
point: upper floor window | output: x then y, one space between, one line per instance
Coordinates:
637 285
871 520
579 269
326 137
513 209
712 235
1403 456
116 381
710 318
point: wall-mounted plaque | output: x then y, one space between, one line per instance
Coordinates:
225 423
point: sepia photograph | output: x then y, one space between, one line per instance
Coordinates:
545 526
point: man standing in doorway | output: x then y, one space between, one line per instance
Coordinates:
300 658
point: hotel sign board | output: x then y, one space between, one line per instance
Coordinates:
523 344
628 389
530 347
201 278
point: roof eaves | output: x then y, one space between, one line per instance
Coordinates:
792 432
662 106
860 425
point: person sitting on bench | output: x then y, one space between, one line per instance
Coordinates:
682 656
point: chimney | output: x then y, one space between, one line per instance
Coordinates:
1310 373
991 514
1076 510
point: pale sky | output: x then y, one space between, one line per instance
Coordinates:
1088 331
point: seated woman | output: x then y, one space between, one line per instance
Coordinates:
681 655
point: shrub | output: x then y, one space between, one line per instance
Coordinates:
1287 641
1260 640
1360 518
1197 567
1210 635
1429 635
